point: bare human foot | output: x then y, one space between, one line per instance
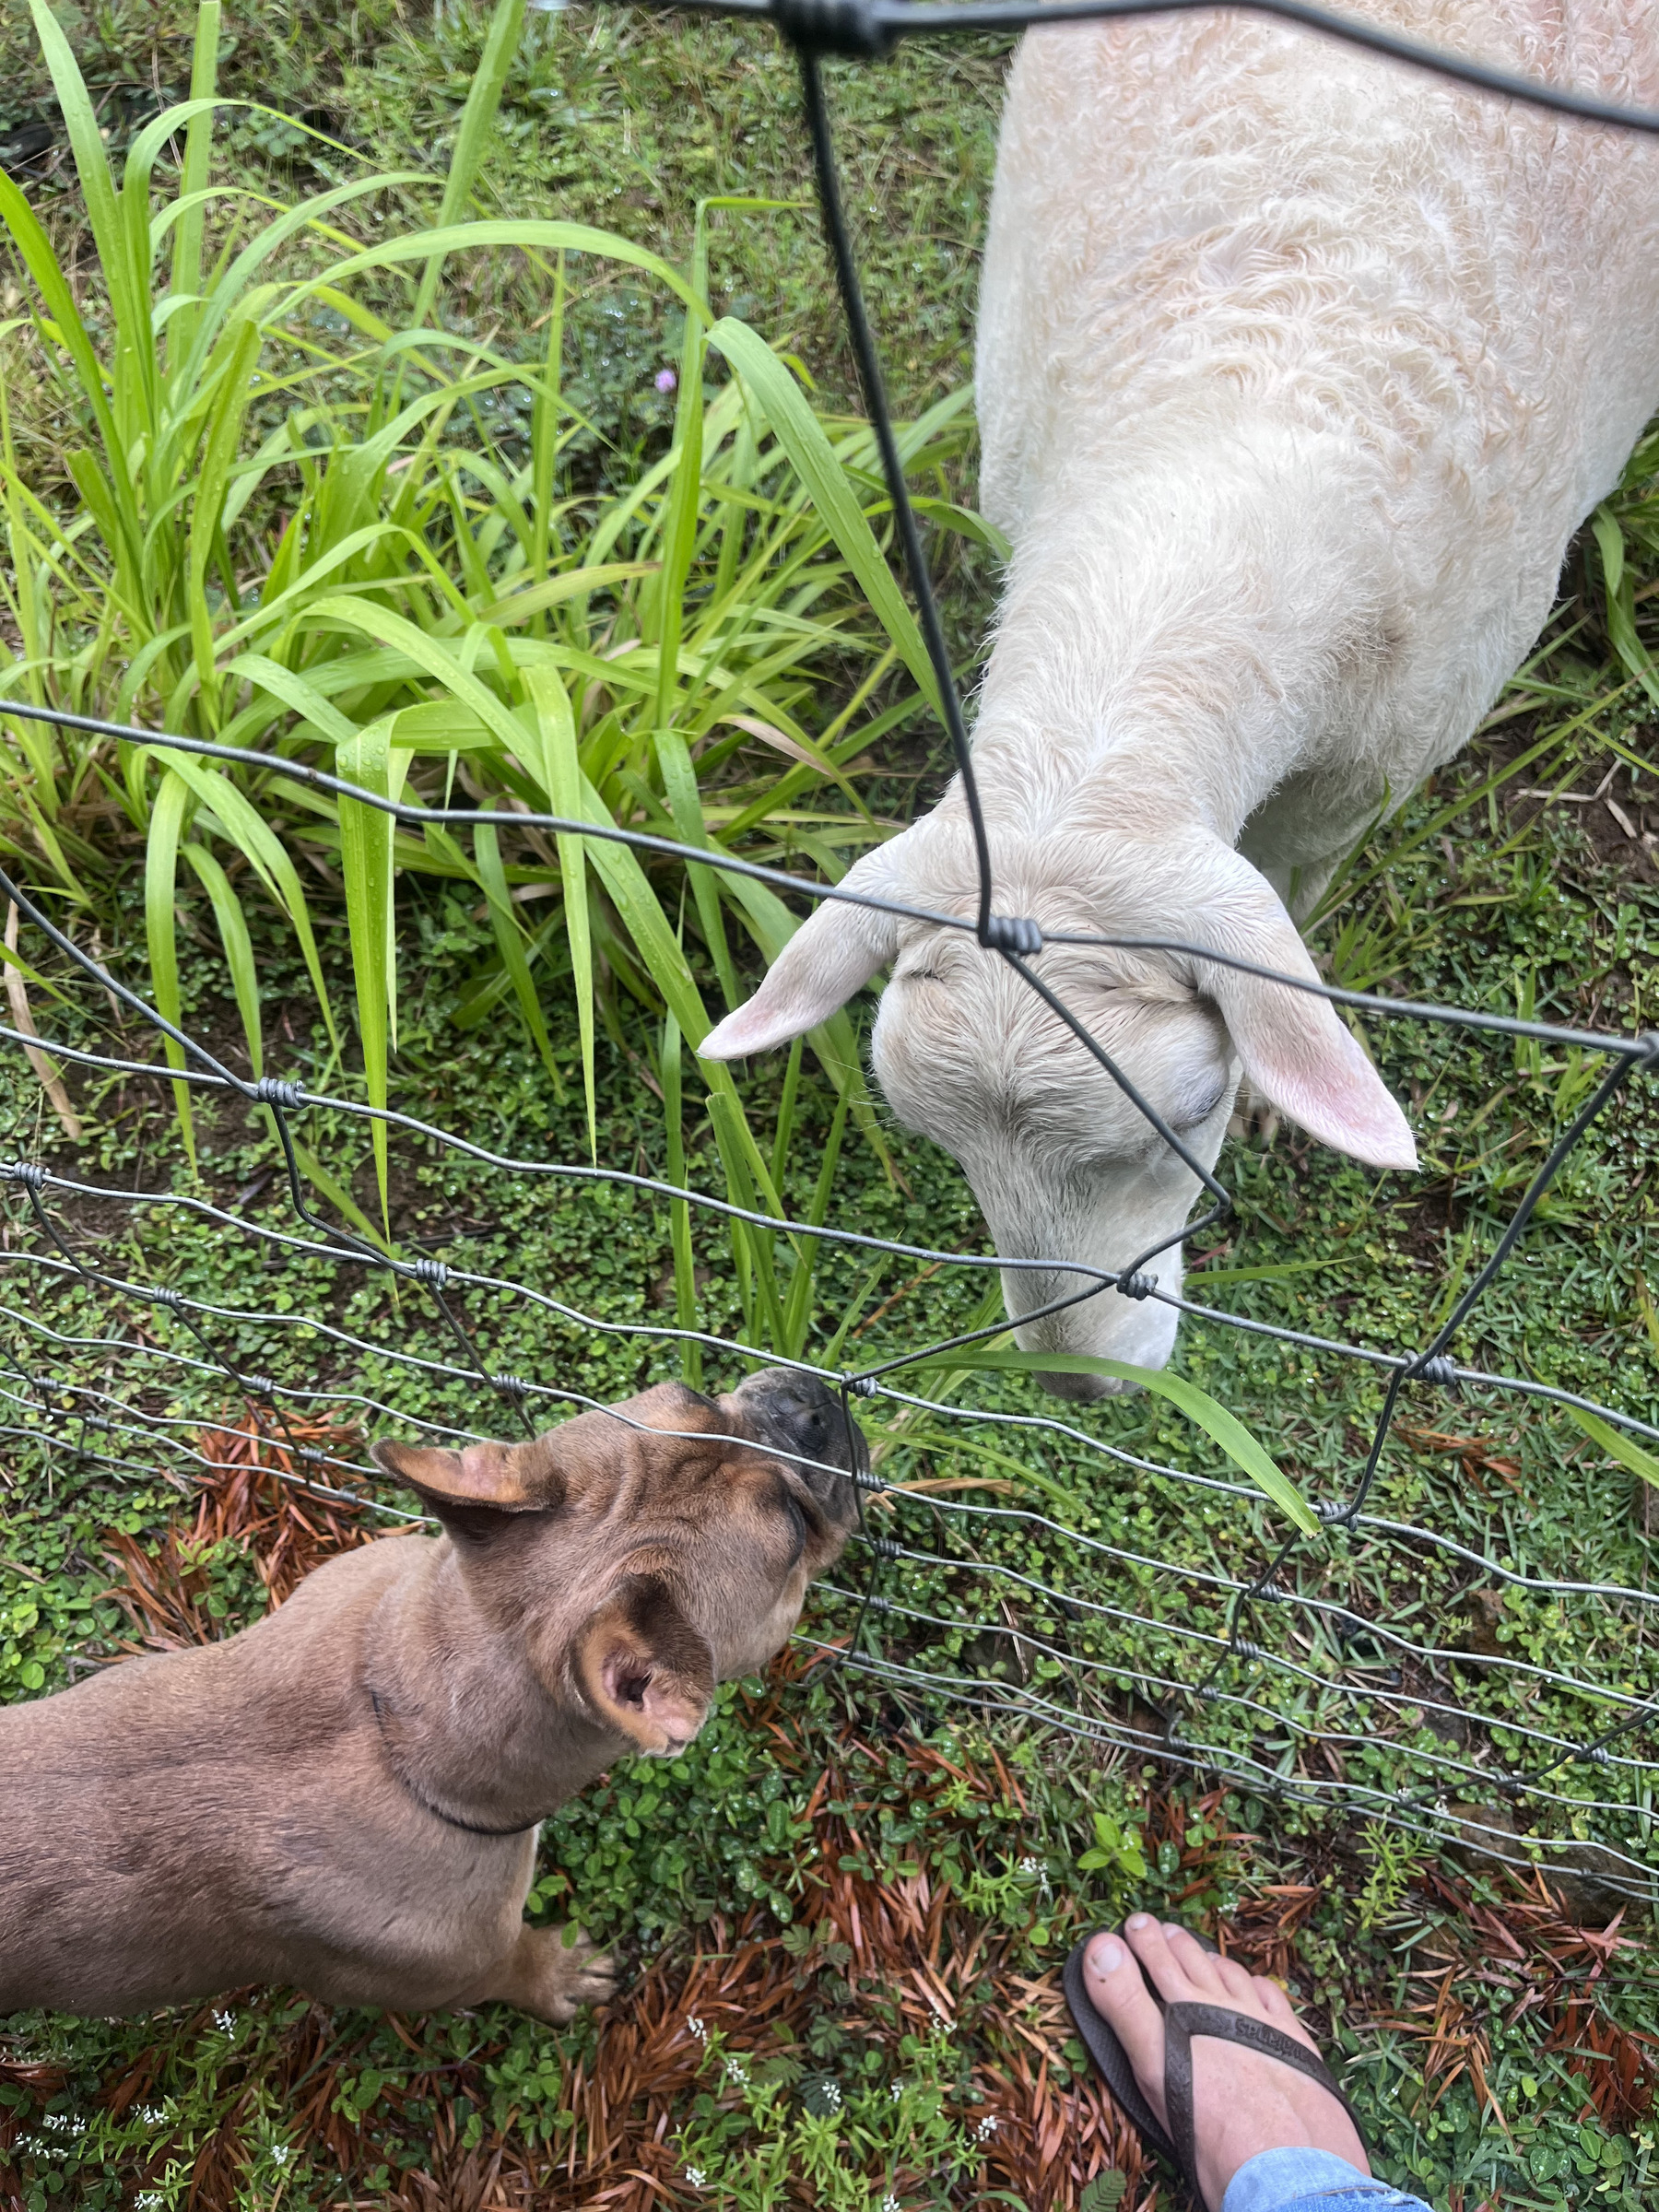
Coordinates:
1243 2103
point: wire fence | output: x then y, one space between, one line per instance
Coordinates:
1327 1679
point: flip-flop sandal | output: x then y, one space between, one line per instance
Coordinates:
1182 2022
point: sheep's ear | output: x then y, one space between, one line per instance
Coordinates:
643 1669
836 950
832 955
1297 1051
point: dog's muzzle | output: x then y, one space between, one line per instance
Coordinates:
799 1415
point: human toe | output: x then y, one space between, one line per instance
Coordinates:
1237 1981
1191 1960
1277 2006
1117 1992
1152 1945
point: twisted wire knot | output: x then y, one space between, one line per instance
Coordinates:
262 1386
433 1273
1246 1650
510 1386
1441 1369
861 1386
29 1173
1135 1286
849 27
883 1548
171 1299
314 1453
271 1091
1011 933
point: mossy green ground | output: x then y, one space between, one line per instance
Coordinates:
1487 901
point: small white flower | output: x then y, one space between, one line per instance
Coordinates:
280 2154
889 2202
698 2029
986 2128
832 2096
738 2069
225 2022
1030 1866
152 2116
696 2176
898 2091
147 2200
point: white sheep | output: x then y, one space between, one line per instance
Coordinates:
1297 372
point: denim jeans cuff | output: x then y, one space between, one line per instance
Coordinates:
1274 2180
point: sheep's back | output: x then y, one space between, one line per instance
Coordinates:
1228 213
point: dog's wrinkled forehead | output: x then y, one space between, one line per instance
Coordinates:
682 1436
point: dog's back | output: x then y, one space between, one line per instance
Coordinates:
159 1784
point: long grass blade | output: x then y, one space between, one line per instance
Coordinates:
509 943
239 948
472 134
160 877
366 865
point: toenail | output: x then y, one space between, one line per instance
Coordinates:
1106 1956
1138 1921
1173 1928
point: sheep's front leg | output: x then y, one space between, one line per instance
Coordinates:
551 1972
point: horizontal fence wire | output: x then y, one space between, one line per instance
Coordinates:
1330 1681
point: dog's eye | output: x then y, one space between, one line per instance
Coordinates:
784 1498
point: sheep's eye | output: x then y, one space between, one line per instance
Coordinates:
1197 1109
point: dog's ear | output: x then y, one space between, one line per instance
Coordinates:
1298 1052
471 1490
643 1669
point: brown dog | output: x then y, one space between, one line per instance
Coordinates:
347 1795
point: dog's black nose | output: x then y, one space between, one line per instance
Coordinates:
798 1413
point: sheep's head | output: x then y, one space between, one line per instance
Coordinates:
1066 1168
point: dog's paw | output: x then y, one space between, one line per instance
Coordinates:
570 1973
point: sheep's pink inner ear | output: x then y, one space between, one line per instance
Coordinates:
1298 1052
1302 1058
644 1670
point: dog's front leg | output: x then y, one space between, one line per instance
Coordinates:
549 1971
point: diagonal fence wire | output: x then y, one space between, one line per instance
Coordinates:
1532 1761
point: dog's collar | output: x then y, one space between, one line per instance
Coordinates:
420 1798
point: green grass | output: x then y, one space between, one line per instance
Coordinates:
1475 894
649 1857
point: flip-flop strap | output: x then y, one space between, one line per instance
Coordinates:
1181 2023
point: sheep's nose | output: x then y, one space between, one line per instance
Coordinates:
1083 1388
